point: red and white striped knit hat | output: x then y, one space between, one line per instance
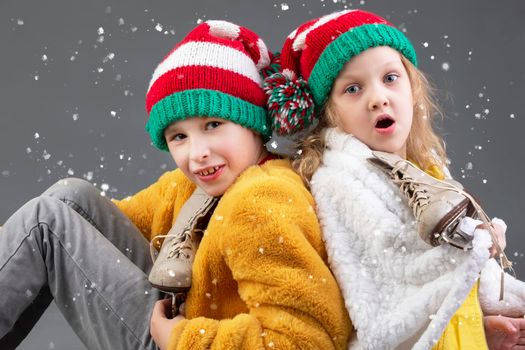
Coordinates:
214 72
312 57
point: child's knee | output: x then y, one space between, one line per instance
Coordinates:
71 189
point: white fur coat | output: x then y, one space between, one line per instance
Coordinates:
399 291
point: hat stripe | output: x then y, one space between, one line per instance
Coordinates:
202 77
209 55
299 41
264 58
223 29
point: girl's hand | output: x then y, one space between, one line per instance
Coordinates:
504 332
160 325
499 231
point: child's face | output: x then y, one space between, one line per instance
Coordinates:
372 100
213 152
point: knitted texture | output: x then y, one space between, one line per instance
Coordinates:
290 105
317 51
215 71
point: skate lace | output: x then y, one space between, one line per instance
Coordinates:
179 246
417 196
410 186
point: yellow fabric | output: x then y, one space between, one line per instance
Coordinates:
465 329
260 278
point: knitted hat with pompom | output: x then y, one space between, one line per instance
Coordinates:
312 57
216 71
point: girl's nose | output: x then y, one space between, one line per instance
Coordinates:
378 100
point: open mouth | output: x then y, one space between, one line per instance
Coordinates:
384 122
208 171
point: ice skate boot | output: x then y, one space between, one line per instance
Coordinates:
438 206
172 266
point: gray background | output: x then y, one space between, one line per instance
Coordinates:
72 95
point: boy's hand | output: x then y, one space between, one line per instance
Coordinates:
499 232
160 325
504 332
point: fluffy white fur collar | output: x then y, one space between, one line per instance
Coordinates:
399 291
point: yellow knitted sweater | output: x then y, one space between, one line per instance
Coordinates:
260 278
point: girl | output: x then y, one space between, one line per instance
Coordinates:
357 74
259 276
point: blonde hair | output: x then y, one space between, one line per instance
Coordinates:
424 146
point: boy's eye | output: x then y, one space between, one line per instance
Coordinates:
352 89
176 137
389 78
212 125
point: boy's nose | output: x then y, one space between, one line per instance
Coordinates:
199 150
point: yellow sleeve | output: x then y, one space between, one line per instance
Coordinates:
270 240
144 207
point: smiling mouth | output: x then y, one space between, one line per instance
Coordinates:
384 122
208 171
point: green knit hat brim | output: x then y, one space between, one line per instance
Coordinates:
348 45
204 103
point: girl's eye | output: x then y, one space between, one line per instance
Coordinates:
212 125
390 78
352 89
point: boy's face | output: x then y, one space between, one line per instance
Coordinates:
213 152
372 100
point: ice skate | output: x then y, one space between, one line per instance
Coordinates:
172 269
438 206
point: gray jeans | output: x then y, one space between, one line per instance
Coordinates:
74 246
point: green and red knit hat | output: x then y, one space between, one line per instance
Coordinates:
214 72
312 57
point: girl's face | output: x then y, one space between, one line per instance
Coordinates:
372 100
213 152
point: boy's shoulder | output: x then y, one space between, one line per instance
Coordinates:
176 180
271 177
